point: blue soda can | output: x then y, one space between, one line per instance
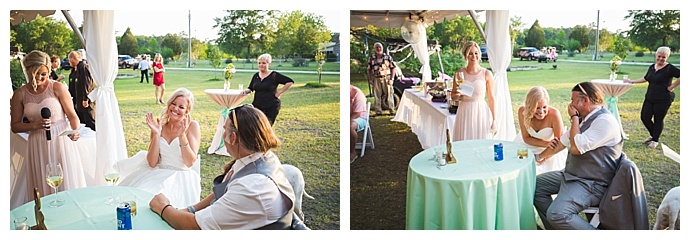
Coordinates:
498 151
124 216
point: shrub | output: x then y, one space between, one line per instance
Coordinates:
639 54
315 85
571 53
300 62
229 60
16 74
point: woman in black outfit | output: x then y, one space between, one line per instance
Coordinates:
265 84
659 95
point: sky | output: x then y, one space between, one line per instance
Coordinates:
177 21
611 20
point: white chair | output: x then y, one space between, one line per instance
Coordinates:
367 138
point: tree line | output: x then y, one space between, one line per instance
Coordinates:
242 34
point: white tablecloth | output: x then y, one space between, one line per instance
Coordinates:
226 99
429 120
18 144
612 90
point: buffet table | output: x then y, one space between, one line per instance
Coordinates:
429 120
612 90
84 209
226 99
474 193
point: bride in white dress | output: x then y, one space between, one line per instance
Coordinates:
539 123
165 167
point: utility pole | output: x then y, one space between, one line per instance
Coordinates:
596 41
189 40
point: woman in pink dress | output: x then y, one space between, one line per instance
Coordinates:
25 113
158 81
474 118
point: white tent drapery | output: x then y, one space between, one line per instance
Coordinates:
421 51
498 51
101 52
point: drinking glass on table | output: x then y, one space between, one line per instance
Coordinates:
54 180
111 177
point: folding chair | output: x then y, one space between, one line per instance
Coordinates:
367 138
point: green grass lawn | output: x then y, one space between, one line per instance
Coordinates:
308 125
660 173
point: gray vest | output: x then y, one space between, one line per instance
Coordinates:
597 165
260 166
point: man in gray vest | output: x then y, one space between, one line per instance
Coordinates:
594 145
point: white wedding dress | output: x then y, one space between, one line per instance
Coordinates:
555 162
179 183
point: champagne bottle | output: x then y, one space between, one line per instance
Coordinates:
450 158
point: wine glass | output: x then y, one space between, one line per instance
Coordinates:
54 179
111 178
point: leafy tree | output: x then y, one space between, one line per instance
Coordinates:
573 45
535 36
167 54
654 28
43 33
299 34
454 33
620 46
515 25
605 40
242 29
172 42
214 55
128 44
581 34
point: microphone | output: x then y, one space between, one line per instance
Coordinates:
45 113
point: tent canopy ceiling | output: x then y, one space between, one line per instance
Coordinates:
19 16
396 18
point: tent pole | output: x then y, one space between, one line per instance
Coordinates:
74 28
474 19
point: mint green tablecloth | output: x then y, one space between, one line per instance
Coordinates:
474 193
84 209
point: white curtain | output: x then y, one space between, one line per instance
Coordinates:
421 51
499 53
101 53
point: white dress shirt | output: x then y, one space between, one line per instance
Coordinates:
603 131
249 202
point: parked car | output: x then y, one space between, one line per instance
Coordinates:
64 64
485 56
529 53
125 61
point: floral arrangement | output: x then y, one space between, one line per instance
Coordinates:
229 71
615 63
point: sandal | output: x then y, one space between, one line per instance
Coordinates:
647 140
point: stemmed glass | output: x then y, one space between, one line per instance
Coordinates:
54 179
111 178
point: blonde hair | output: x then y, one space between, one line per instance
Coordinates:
663 50
266 57
158 56
530 106
466 48
180 92
32 62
